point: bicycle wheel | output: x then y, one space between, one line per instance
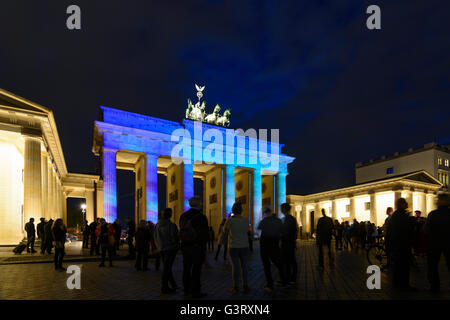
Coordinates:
376 255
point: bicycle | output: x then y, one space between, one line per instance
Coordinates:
377 255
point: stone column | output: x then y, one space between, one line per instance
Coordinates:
151 188
109 185
334 209
50 190
89 205
317 214
409 200
229 188
352 208
44 186
281 188
32 204
64 210
373 208
257 198
397 195
187 185
423 203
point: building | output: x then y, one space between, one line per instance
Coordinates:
34 181
432 158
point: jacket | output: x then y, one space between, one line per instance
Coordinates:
105 234
142 239
166 235
199 223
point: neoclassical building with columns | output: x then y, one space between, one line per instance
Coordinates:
367 201
35 182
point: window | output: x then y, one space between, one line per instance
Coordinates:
390 170
446 162
367 205
439 161
347 208
443 178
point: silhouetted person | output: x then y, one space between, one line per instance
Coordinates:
86 233
324 233
41 234
48 236
250 237
31 235
167 242
289 243
95 246
117 234
105 235
142 246
437 228
131 231
271 231
153 250
399 238
211 239
222 240
338 234
59 235
237 228
194 235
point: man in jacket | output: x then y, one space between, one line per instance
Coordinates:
95 247
41 234
271 232
31 235
194 236
288 243
105 236
437 228
324 234
86 233
167 242
399 237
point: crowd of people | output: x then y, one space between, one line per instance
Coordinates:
406 237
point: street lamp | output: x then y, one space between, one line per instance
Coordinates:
83 212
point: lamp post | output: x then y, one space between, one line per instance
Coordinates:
83 212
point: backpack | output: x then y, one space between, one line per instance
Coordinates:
187 232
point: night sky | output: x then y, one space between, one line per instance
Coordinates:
338 92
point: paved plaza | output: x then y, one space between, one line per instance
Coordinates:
347 280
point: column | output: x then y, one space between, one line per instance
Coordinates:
423 204
317 215
334 209
109 185
257 198
229 188
151 188
409 200
352 208
50 190
32 204
373 208
281 188
64 205
90 205
44 185
397 195
187 186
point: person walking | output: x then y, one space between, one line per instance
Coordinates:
95 247
271 231
194 235
324 234
222 241
41 234
142 246
131 231
59 231
31 235
437 229
168 244
237 229
289 243
48 236
86 233
105 236
399 237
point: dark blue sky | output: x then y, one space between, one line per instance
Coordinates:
339 93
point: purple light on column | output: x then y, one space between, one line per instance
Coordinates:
188 184
152 189
257 198
230 197
109 185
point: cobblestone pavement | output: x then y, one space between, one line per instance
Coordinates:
346 281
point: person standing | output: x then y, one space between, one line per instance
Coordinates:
117 234
222 240
131 231
324 234
250 237
95 247
86 233
437 228
142 246
399 237
59 231
289 243
41 234
237 229
48 236
105 236
271 231
194 235
167 242
31 235
338 234
211 239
